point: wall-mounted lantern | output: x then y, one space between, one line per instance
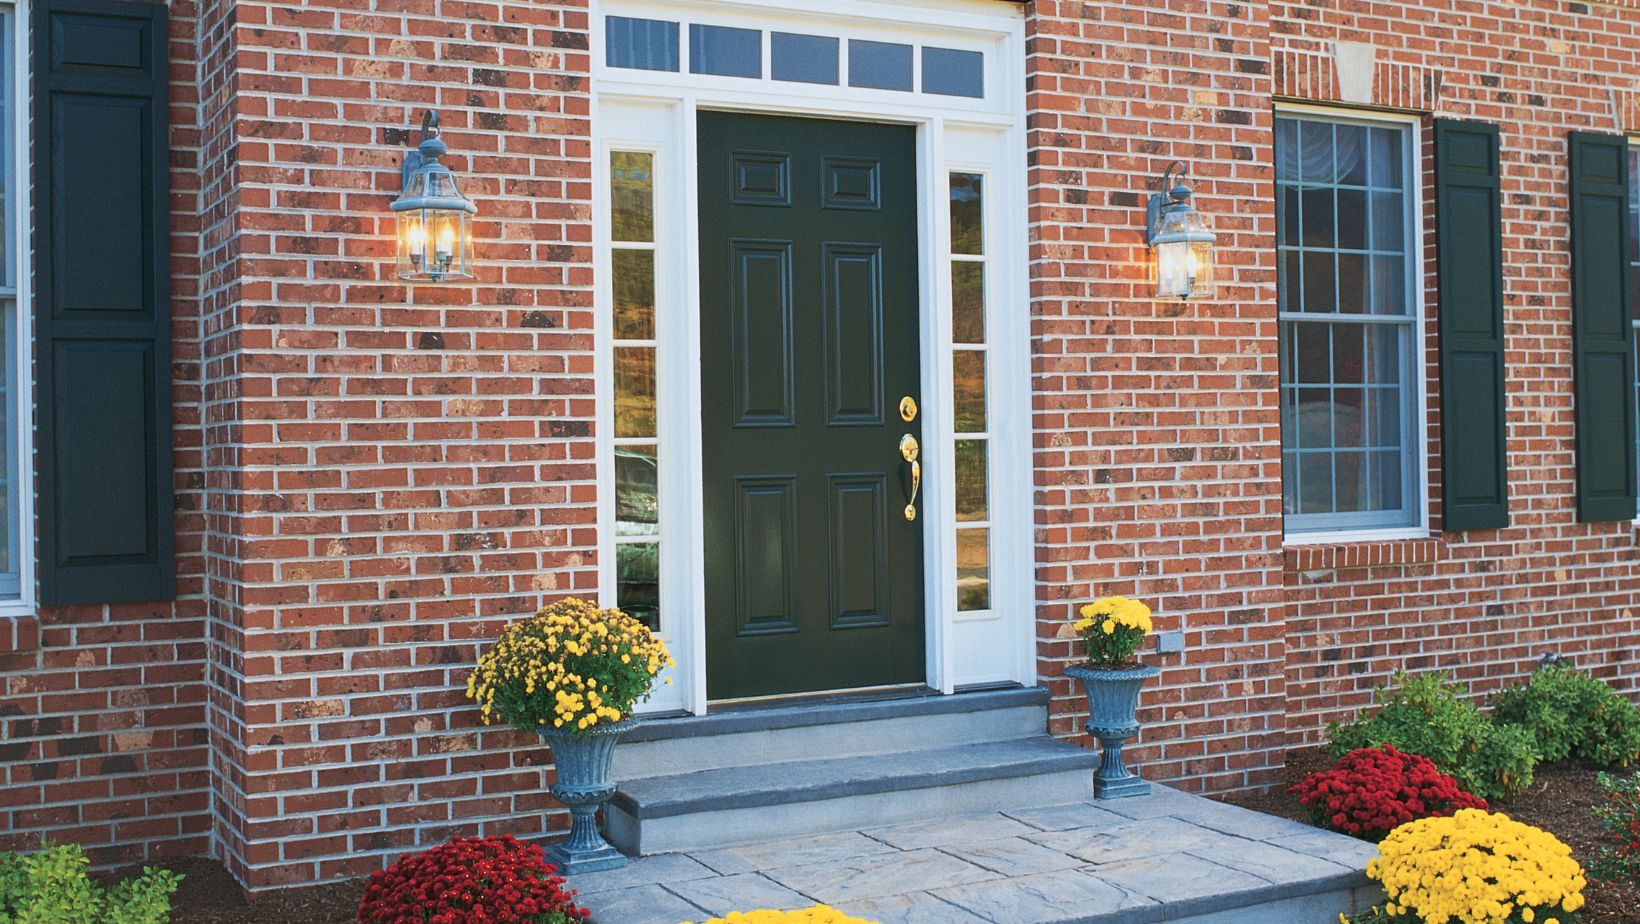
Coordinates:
1179 236
435 227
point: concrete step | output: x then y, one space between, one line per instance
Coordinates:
828 728
746 804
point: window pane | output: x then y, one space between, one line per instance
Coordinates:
1386 158
634 284
953 72
632 195
804 58
725 52
1389 285
1350 154
1316 210
1352 219
638 581
1388 221
879 65
968 390
967 234
644 44
1350 482
1315 152
1312 353
1286 150
971 483
973 569
635 391
967 302
637 497
1352 283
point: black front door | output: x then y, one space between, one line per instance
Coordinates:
808 266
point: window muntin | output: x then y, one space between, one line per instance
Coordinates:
1347 299
969 355
636 434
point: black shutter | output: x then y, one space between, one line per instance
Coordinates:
1602 339
1469 239
102 301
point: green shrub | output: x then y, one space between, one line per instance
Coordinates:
1571 714
1429 716
53 886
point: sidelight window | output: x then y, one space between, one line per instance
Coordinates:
1347 293
637 456
969 358
12 119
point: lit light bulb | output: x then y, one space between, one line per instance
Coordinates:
446 245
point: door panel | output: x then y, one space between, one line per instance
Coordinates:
809 313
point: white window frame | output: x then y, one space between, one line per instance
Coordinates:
655 111
21 357
1418 379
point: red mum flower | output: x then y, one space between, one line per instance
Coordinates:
495 880
1372 791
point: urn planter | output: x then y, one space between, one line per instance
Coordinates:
1113 698
583 764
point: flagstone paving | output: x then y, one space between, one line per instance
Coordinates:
1166 858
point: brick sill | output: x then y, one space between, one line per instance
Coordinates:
1353 555
19 634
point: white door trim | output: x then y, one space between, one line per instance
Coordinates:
656 112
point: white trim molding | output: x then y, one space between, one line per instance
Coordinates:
654 111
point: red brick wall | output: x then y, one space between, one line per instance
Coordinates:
372 478
1487 604
102 738
1158 434
403 469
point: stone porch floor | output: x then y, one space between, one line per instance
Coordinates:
1167 857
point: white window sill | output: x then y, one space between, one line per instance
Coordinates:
1353 536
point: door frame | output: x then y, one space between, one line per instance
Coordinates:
656 113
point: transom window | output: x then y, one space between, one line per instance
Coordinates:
1348 308
793 57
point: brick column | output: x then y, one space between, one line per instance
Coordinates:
1158 433
395 471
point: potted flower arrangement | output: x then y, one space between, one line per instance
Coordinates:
1111 630
571 674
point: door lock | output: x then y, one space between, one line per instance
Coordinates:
908 409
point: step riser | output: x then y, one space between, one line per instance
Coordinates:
1321 907
725 828
640 759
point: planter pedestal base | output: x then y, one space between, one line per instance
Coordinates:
1113 780
585 850
583 765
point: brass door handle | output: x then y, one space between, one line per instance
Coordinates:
908 451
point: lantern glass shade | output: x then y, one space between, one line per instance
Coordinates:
435 233
435 245
1184 254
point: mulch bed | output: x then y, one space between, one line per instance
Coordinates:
1561 801
208 895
